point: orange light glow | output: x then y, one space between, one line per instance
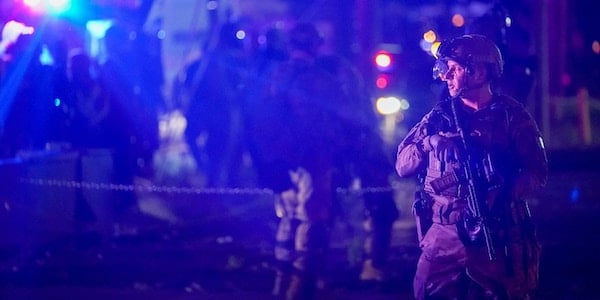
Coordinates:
458 20
429 36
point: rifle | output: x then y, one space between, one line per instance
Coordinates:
477 208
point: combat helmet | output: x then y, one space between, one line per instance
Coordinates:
469 50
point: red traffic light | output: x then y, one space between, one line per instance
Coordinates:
382 81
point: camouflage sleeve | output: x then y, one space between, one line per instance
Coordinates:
412 150
530 154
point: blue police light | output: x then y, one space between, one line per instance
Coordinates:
59 6
48 6
98 28
46 58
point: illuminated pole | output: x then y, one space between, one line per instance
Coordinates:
583 109
544 72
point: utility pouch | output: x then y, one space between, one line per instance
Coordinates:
446 181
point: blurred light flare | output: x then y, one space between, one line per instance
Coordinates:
565 79
382 81
13 29
161 34
59 6
383 59
11 32
430 36
596 47
575 194
46 58
390 105
240 34
48 6
98 28
261 40
507 21
212 5
458 20
33 4
425 45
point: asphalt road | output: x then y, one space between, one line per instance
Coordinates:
220 248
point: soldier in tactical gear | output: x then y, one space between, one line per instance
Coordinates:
479 155
296 135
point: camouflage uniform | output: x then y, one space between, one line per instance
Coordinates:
451 267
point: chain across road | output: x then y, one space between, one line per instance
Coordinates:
178 189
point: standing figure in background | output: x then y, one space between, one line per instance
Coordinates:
480 155
132 80
89 104
296 135
132 75
212 92
362 156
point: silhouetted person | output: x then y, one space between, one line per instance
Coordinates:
92 121
297 136
212 92
132 80
362 155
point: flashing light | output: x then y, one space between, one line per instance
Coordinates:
382 81
383 59
48 6
596 47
